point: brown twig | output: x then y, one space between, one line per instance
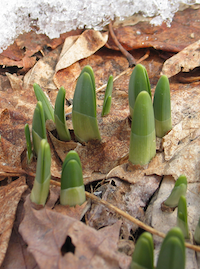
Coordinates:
130 58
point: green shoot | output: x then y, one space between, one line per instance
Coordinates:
84 107
107 97
182 222
40 188
162 107
143 256
38 127
179 189
197 233
28 143
59 115
143 140
72 187
139 81
172 252
40 95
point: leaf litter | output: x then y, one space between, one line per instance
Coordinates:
126 186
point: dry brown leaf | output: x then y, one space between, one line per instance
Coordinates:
17 255
143 34
12 143
82 47
9 199
131 198
184 61
181 135
43 71
58 241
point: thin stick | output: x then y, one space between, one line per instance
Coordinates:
129 57
128 217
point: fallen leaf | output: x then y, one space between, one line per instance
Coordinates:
58 241
131 198
80 47
9 199
43 71
17 255
184 61
181 135
144 34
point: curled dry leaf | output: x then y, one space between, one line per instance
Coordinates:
58 241
80 47
184 61
9 199
74 49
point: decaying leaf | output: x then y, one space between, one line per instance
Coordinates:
58 241
131 198
143 34
43 71
80 47
184 61
17 255
74 49
181 135
9 199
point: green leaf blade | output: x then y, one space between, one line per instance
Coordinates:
84 110
72 187
40 95
38 127
172 252
143 141
143 257
59 116
162 107
107 97
40 188
28 143
139 81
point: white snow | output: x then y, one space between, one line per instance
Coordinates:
55 17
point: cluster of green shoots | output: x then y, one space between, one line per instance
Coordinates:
171 255
85 128
148 119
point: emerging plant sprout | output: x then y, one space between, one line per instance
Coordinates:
162 107
84 107
40 188
107 97
139 81
182 222
72 187
59 115
40 95
179 189
143 140
38 127
28 143
197 233
172 252
143 256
